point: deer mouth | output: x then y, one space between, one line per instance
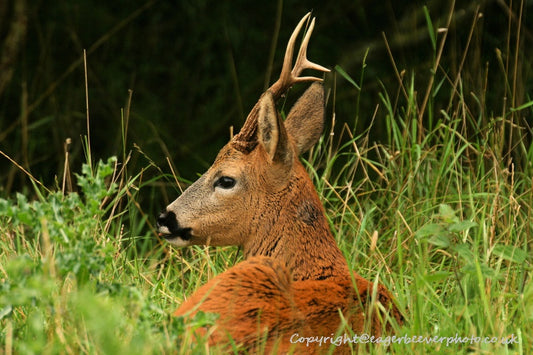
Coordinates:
168 228
181 233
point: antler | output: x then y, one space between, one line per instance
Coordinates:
288 77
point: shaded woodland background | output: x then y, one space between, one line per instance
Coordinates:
195 68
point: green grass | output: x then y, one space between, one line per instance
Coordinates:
446 226
441 213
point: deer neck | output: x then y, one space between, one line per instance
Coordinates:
293 229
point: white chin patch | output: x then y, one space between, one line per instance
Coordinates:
163 230
178 242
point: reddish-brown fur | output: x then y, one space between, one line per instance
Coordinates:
261 307
295 278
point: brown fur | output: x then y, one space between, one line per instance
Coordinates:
260 307
295 278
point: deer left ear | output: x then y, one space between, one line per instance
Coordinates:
305 121
271 131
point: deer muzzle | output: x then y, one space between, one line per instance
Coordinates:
169 228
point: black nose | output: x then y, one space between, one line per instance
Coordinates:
168 220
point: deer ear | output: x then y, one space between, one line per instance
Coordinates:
305 121
271 131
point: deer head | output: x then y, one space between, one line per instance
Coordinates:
257 194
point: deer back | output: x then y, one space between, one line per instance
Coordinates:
261 307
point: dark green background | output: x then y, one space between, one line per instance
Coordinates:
197 67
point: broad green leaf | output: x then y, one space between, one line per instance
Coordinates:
462 226
447 213
510 253
437 276
429 230
440 240
464 251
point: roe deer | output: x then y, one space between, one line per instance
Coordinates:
257 195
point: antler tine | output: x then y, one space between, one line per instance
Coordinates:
286 73
302 62
289 77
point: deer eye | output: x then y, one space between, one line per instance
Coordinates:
225 182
